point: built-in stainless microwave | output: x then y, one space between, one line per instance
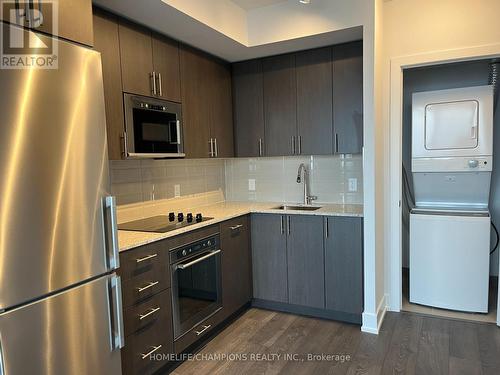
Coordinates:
153 128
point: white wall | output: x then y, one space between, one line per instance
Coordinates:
411 27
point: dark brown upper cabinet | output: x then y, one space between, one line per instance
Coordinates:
74 19
136 59
150 64
314 102
106 41
167 67
206 105
348 98
280 105
248 104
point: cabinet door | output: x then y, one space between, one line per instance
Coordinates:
221 111
107 43
236 264
269 258
306 274
167 67
344 264
280 103
314 102
348 97
195 102
136 59
74 19
248 103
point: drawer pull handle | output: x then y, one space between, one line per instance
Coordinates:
203 330
148 257
236 227
154 349
150 285
150 312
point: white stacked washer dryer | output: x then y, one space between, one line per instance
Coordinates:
452 149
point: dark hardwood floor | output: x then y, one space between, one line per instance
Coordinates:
407 344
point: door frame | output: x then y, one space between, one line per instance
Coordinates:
397 66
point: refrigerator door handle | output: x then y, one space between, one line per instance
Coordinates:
116 322
2 370
113 257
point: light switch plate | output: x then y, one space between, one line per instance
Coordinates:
251 184
353 184
177 191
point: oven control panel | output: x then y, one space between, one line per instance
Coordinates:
189 250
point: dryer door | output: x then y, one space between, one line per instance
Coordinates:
451 125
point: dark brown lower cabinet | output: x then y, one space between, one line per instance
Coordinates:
236 265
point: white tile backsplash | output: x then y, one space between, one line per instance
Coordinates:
276 178
136 181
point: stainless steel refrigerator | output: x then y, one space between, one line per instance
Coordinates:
60 300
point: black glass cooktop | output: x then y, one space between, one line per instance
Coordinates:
157 224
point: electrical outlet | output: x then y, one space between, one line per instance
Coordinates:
177 191
353 184
251 184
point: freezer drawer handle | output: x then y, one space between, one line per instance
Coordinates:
155 348
117 336
150 285
148 257
150 312
111 233
203 330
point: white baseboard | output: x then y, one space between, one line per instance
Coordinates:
373 321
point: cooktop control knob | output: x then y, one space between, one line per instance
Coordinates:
190 217
199 218
171 216
180 217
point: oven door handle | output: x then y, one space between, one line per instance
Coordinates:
183 266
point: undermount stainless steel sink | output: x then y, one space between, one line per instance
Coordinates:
298 208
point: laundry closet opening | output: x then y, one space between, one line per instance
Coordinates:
451 190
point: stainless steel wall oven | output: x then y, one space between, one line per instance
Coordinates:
196 283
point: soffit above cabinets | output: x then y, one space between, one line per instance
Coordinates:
252 4
225 28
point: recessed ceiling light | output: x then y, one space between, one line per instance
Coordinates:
304 1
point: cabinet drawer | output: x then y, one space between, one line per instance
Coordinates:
198 332
148 312
144 259
144 286
157 335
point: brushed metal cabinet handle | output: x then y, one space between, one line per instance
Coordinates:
300 145
336 142
147 257
236 227
260 147
153 83
149 313
327 234
282 226
216 148
293 145
160 91
203 330
146 287
155 349
211 153
289 224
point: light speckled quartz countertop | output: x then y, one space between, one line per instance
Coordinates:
228 210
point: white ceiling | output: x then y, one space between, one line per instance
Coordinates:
252 4
226 30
